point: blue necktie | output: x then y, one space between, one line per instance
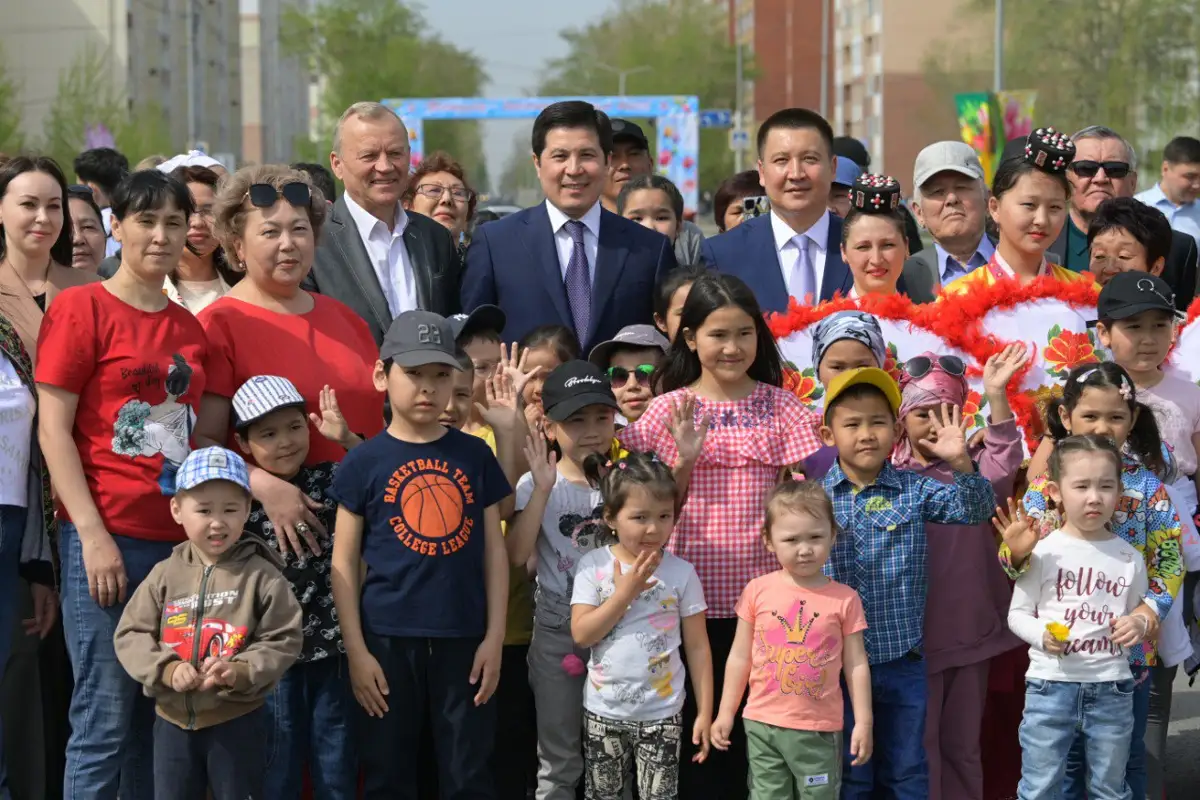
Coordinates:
578 281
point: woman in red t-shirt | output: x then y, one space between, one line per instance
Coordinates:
268 218
120 373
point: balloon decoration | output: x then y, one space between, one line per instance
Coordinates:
1051 316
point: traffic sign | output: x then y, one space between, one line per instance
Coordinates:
739 140
716 118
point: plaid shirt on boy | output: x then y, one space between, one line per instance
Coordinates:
880 552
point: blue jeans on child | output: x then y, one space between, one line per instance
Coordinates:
308 719
899 695
12 531
1075 784
1057 715
112 721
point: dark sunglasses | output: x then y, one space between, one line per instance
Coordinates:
619 376
264 195
919 366
1088 169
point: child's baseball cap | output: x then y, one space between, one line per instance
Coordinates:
483 318
573 386
261 395
869 376
417 338
629 336
1130 293
211 464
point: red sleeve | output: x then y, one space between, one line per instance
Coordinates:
67 352
799 426
651 433
218 363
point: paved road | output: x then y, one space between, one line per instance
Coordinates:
1183 744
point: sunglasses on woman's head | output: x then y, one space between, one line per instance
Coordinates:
1088 169
264 195
619 376
919 366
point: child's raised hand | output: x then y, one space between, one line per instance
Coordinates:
1017 529
1129 629
218 674
516 368
720 731
639 577
689 440
862 744
369 684
501 411
330 423
1001 367
543 463
950 441
185 678
533 416
701 737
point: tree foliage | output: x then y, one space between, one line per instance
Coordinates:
1132 65
684 44
11 139
377 49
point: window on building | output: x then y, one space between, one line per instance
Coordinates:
856 57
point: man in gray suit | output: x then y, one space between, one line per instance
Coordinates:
373 255
950 201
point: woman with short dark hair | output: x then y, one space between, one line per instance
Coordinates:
728 210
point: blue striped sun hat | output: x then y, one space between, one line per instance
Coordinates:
261 395
212 464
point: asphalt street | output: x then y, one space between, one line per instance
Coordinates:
1183 743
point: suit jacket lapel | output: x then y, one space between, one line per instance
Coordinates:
422 263
610 261
539 241
837 275
761 247
358 263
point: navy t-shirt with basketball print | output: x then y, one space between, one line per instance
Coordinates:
423 538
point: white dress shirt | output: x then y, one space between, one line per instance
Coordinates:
789 254
389 256
111 245
563 242
1185 219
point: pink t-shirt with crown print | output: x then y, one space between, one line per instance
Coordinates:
796 650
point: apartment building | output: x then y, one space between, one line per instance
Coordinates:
275 86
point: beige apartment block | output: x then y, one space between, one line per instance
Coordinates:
275 87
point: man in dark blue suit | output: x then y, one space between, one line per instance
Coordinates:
795 250
567 261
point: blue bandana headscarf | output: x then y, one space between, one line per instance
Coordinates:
856 325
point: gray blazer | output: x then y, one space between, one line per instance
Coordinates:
342 269
922 275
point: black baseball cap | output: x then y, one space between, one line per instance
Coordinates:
417 338
573 386
624 129
1131 293
483 318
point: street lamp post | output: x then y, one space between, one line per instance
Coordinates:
998 65
622 74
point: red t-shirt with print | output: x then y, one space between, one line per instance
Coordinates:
329 345
139 376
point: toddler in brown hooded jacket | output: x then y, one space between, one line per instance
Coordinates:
208 633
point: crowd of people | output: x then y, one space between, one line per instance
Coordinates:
364 495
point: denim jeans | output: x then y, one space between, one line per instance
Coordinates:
1058 714
12 530
112 721
1074 784
308 722
898 769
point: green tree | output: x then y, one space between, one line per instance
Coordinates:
684 48
376 49
144 132
519 172
1127 64
11 138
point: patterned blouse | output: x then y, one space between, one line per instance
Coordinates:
749 442
1146 519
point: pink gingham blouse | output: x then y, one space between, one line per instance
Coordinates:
749 441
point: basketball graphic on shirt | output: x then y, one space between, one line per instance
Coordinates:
432 505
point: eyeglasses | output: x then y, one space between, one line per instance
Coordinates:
264 195
919 366
434 191
619 376
1088 169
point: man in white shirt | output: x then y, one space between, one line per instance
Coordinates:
101 169
1176 192
374 256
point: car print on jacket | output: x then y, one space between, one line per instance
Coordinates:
211 637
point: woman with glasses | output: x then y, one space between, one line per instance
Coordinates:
203 275
120 372
87 229
438 189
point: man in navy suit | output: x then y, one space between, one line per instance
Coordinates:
567 261
794 251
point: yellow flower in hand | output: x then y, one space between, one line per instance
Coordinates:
1059 631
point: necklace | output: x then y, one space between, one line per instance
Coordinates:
28 288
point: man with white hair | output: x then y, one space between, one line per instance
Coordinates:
950 201
375 256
